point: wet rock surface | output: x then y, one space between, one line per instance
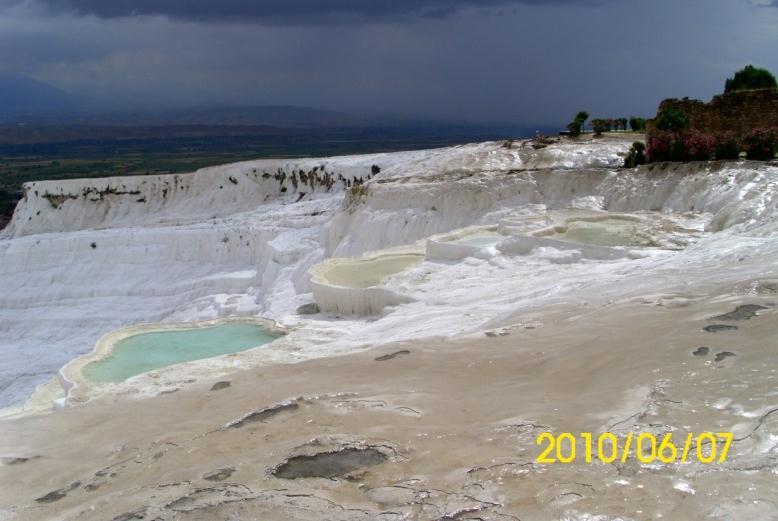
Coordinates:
744 312
724 355
203 497
311 308
329 464
131 516
384 358
219 475
218 386
16 460
58 494
262 414
716 328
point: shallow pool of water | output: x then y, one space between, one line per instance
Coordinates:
370 272
479 241
148 351
607 232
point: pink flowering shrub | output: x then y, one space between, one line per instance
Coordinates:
761 143
699 146
658 146
693 145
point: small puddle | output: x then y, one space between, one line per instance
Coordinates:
329 464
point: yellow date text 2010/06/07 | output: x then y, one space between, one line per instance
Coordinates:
646 447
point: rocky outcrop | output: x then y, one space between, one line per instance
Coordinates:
738 111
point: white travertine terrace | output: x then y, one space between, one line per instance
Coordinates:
83 258
553 237
355 286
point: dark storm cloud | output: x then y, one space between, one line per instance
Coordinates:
529 60
282 11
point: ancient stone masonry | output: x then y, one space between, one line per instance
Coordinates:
738 112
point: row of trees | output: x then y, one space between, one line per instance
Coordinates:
576 127
607 125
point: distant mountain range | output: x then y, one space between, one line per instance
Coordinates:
284 116
22 98
23 133
32 112
28 101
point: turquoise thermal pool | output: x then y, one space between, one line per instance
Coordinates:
145 352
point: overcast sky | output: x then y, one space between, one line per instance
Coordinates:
489 61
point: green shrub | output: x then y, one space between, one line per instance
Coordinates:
601 125
636 155
637 124
761 144
727 146
575 127
677 151
582 116
751 77
672 120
